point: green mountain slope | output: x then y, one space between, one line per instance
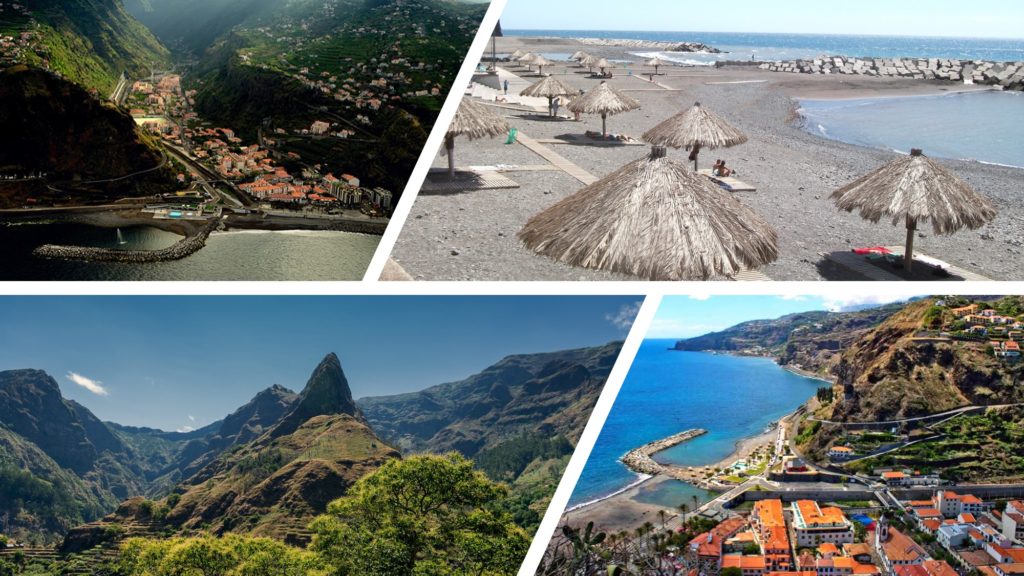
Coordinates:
89 42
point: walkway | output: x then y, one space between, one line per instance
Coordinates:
556 159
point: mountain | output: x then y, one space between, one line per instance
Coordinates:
808 340
275 484
519 419
54 126
88 42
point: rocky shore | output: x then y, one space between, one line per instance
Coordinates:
182 249
651 45
1009 75
639 459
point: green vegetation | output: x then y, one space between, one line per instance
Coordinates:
424 515
231 555
807 432
825 394
995 435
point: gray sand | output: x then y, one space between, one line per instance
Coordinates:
472 235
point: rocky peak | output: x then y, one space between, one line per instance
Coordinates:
326 392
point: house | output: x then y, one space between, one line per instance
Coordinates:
953 536
769 523
814 525
1005 555
834 566
952 504
840 453
748 565
1009 569
1013 520
894 478
965 311
859 551
705 550
896 548
926 568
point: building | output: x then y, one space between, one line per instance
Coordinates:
1013 520
896 548
319 128
769 523
704 553
840 453
894 478
952 536
926 568
748 565
814 525
952 504
965 311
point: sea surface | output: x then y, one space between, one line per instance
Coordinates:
666 392
741 46
984 126
236 255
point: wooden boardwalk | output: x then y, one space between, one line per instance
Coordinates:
556 160
727 182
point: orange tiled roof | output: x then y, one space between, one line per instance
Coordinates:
743 562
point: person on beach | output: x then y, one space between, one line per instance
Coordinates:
577 113
720 169
557 102
694 152
505 86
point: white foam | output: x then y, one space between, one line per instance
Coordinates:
641 478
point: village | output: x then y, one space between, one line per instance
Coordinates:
948 534
162 108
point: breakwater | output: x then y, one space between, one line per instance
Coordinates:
651 45
181 249
1008 75
639 459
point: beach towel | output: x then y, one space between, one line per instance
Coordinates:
873 250
512 135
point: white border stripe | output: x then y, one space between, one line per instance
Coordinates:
419 173
586 444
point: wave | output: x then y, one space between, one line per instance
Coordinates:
641 478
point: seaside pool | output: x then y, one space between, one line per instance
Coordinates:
983 126
667 392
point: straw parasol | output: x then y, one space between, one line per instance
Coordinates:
515 55
550 88
589 60
540 62
472 120
695 128
604 101
656 62
913 189
525 59
578 55
655 219
602 63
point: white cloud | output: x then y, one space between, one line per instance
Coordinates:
94 386
677 328
850 301
794 297
624 317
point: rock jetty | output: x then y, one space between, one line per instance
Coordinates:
1009 75
639 459
651 45
181 249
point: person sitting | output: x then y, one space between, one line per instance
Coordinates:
721 169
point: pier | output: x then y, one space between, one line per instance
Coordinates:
640 459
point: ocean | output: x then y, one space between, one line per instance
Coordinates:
237 255
984 126
666 392
740 46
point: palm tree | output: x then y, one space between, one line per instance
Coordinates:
661 516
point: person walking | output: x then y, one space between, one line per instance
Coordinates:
505 86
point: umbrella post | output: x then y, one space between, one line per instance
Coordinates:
908 257
604 124
449 144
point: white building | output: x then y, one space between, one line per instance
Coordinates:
814 525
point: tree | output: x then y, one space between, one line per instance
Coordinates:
423 515
731 571
232 555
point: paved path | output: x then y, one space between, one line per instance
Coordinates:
557 160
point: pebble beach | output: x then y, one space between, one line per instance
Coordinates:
471 235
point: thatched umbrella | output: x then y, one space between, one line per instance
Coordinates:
655 219
602 63
540 62
695 128
550 88
913 189
578 55
589 60
656 62
473 120
515 55
526 58
604 101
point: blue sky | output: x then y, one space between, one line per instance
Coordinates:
685 316
175 362
984 18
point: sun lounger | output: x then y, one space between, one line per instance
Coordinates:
729 183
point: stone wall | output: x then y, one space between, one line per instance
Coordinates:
1009 75
182 249
639 459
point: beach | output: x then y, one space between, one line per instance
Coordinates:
472 235
625 511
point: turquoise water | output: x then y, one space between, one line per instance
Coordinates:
740 46
984 126
668 391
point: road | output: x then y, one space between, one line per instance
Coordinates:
948 413
208 175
